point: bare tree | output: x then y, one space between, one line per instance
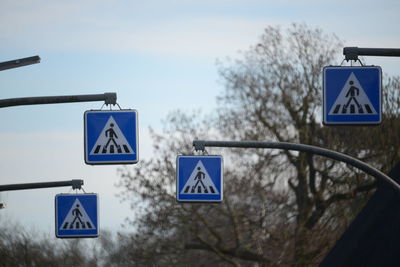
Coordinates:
281 208
23 247
274 92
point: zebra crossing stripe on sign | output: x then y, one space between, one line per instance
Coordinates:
111 141
199 182
77 218
352 99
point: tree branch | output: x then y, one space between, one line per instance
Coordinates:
321 206
209 247
349 195
233 252
235 225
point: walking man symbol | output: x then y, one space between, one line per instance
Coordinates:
199 182
110 134
199 177
352 100
111 140
77 213
77 222
353 92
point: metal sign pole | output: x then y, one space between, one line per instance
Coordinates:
201 144
352 53
16 63
76 184
109 98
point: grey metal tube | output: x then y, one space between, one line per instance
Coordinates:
109 98
201 144
76 184
352 53
16 63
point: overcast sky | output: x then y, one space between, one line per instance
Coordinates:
157 56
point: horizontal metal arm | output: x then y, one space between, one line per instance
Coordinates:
109 98
16 63
352 53
201 144
76 184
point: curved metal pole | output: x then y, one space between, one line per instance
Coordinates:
201 144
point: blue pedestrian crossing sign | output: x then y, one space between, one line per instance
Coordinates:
352 95
76 215
199 178
111 137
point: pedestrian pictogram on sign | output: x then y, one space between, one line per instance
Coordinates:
111 140
199 178
352 99
111 137
77 218
352 95
199 182
76 215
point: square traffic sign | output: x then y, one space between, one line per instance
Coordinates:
76 215
111 137
199 178
352 95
